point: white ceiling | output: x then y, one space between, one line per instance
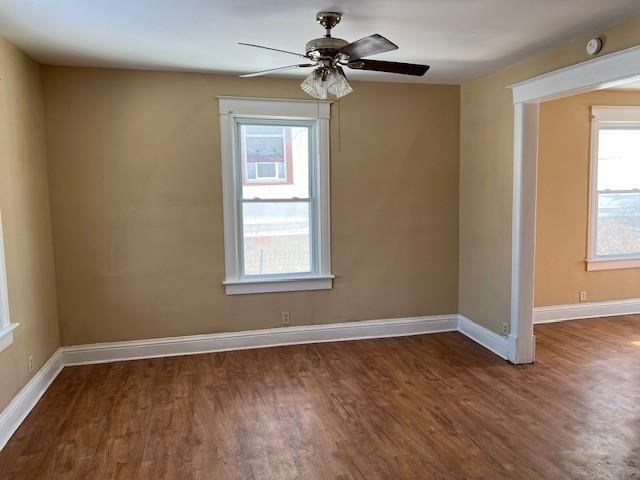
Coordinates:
460 39
635 85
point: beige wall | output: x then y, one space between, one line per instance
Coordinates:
134 164
24 203
562 215
486 170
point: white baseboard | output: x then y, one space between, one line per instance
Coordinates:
559 313
15 413
272 337
21 405
485 337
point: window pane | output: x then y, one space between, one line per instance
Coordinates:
265 149
618 223
618 159
276 238
275 161
251 171
266 170
264 130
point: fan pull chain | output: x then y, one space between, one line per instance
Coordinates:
339 125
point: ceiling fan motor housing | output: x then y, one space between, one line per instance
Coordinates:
324 47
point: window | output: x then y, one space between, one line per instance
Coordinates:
6 328
614 203
267 154
275 169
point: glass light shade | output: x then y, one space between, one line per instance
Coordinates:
338 84
325 80
316 83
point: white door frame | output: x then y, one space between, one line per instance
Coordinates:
603 72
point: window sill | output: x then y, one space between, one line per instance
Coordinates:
612 263
6 335
283 284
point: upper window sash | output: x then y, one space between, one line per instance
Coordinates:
603 118
259 110
238 121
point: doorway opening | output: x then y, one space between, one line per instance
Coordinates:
610 71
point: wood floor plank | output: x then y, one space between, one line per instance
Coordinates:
424 407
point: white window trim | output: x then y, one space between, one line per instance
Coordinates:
231 108
620 115
6 327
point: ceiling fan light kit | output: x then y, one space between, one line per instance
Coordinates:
328 55
324 80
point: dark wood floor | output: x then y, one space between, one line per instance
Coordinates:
425 407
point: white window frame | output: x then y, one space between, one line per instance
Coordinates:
231 109
619 115
6 327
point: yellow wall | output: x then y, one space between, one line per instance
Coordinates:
134 168
134 179
563 194
24 203
486 170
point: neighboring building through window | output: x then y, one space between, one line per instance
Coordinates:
267 155
275 156
614 223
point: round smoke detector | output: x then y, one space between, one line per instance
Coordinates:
594 46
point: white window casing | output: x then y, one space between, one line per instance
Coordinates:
315 114
624 116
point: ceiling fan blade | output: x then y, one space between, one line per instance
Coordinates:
272 49
288 67
366 46
391 67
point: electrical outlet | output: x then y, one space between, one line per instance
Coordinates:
583 296
505 328
30 363
286 318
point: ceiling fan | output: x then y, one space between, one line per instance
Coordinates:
328 55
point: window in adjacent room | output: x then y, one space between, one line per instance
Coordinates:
614 223
6 327
275 157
